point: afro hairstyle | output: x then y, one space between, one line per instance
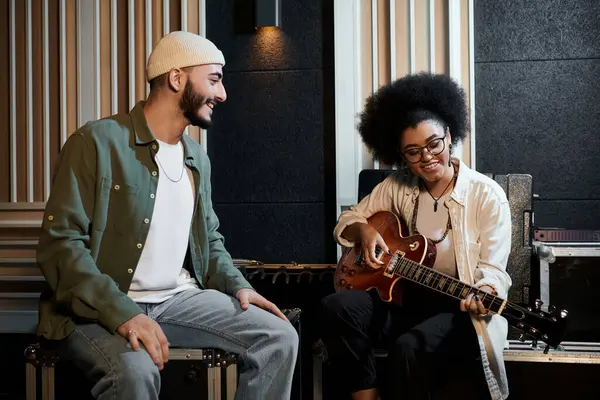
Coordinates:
405 103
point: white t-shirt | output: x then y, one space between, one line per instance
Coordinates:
432 225
160 273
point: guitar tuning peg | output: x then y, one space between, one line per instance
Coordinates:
522 338
551 308
546 349
538 305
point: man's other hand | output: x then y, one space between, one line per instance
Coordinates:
249 296
142 328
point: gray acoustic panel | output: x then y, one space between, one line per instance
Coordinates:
519 191
276 233
296 45
502 181
507 30
568 214
520 197
542 119
267 141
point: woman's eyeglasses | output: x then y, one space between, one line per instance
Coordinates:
434 147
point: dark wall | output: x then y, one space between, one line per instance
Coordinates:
272 142
537 92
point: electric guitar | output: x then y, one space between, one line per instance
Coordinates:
412 259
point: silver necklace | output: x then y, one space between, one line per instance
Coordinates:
165 171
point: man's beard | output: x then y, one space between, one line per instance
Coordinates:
190 103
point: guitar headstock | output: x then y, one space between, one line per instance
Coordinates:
548 327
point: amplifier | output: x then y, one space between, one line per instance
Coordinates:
569 278
566 235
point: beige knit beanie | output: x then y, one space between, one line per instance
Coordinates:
181 49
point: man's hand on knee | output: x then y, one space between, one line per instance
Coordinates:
249 296
144 329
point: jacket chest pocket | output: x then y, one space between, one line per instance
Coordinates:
121 205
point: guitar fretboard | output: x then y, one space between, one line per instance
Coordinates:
440 282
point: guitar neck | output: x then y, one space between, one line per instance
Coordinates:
442 283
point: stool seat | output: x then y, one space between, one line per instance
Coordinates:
40 355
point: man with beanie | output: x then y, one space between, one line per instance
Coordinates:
130 247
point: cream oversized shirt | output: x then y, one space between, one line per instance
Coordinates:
481 223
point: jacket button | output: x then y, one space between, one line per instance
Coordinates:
146 220
130 271
139 245
151 195
153 173
117 187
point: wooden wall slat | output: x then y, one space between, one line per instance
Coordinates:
402 39
123 55
366 47
105 61
21 65
140 50
71 73
5 101
37 70
383 41
193 22
157 21
193 26
465 67
174 15
54 79
441 37
422 35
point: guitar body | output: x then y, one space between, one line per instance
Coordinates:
352 273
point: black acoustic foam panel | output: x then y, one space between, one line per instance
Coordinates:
509 30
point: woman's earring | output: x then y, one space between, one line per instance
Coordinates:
450 152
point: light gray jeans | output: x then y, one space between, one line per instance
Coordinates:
267 347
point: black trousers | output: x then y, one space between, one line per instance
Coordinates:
429 341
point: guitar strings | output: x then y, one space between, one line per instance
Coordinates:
434 278
438 276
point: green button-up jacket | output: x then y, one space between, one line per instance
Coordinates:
97 219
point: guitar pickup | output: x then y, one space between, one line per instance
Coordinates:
393 263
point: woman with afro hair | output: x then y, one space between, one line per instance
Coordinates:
413 124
